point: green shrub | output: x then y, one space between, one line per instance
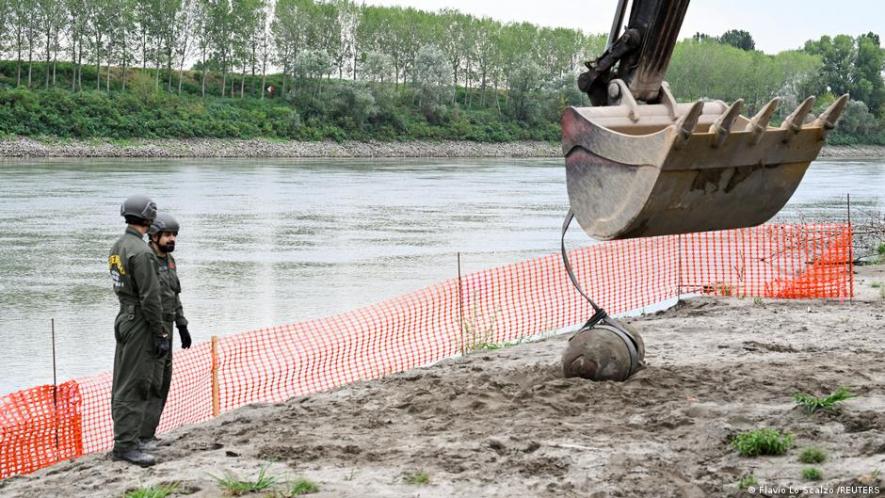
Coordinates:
303 487
747 481
161 491
814 403
812 474
417 478
234 486
812 455
762 442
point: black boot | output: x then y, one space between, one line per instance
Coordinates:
135 456
148 444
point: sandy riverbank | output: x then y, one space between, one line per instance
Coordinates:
505 423
209 148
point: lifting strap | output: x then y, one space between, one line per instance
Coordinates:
599 314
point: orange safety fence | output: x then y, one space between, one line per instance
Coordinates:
776 261
41 426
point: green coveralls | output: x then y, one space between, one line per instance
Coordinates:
172 312
135 273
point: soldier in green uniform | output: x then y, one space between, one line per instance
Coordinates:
163 233
142 339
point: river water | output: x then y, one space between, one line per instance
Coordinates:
272 241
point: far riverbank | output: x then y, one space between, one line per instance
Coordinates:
209 148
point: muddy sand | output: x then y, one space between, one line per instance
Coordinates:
505 423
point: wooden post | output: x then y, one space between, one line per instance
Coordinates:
54 389
678 268
216 402
461 309
850 252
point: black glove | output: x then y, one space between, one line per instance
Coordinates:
185 337
162 345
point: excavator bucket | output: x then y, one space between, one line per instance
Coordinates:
644 170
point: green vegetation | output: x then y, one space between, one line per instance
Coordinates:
812 455
417 478
720 289
233 486
487 346
812 474
762 442
474 336
747 481
303 487
812 404
494 346
198 68
91 114
161 491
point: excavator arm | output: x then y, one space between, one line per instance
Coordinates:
639 56
640 164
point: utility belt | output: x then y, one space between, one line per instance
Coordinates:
128 301
130 309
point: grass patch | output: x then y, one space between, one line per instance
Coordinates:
417 478
812 474
812 455
762 442
161 491
812 404
303 487
477 337
487 346
747 481
234 486
758 301
495 346
719 289
876 285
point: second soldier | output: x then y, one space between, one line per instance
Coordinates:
163 233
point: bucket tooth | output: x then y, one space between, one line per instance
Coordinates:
759 123
722 127
795 120
685 126
827 119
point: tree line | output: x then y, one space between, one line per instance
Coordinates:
361 68
302 37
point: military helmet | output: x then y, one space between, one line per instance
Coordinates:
139 206
164 223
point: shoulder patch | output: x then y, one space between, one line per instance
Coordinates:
115 263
